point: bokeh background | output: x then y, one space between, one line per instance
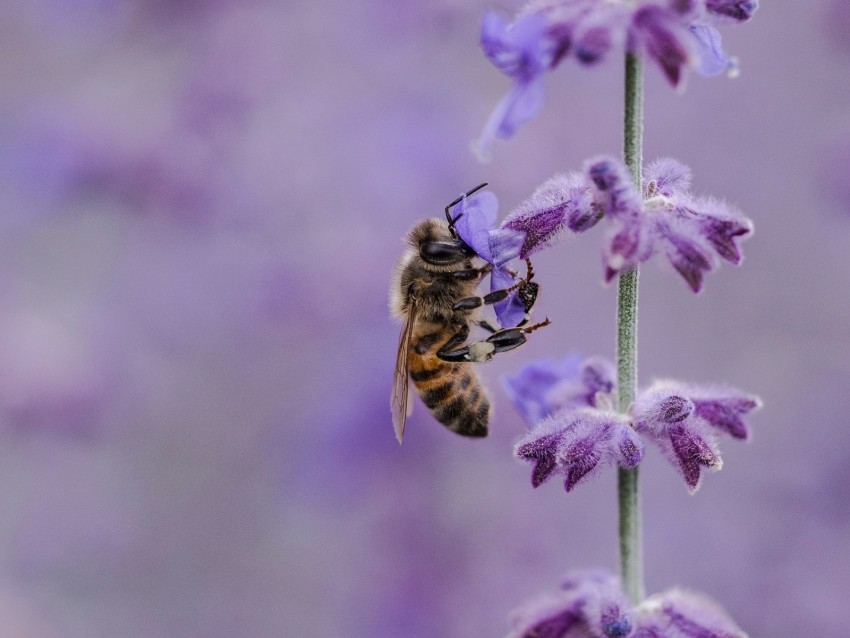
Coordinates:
202 202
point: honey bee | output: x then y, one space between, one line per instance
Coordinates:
433 294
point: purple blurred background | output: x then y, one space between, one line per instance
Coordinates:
201 207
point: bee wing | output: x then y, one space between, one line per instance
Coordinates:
398 403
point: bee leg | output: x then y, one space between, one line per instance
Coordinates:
487 326
469 274
453 342
480 351
471 303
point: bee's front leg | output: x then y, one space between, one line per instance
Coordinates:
468 274
487 326
480 351
527 293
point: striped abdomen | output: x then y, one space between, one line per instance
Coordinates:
452 392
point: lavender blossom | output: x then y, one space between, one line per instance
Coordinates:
476 226
731 10
692 232
563 202
677 36
579 443
536 224
523 52
712 60
542 388
683 421
591 604
657 32
576 432
683 614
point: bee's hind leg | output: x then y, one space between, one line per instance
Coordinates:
480 351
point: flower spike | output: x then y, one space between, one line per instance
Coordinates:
677 35
592 604
576 433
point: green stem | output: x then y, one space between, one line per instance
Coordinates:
631 544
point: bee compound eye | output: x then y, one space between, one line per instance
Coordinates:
443 253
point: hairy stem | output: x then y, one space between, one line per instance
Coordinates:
631 543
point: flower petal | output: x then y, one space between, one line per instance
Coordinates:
521 104
584 387
628 245
733 10
684 614
629 446
511 311
661 405
724 408
685 252
692 449
529 388
670 177
588 444
598 375
611 178
722 226
475 218
711 59
549 616
521 50
505 245
593 43
541 447
659 32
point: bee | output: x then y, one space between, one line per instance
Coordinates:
433 294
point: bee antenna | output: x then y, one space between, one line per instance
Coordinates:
458 201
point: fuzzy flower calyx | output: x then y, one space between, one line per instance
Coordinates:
691 232
676 35
663 217
576 433
591 604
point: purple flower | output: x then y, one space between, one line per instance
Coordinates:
676 35
539 222
579 443
731 10
542 388
692 232
476 226
712 60
576 432
683 422
563 202
659 33
683 614
522 51
591 604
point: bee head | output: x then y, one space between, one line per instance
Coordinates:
436 246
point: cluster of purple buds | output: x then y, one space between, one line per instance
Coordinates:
675 34
591 604
693 233
666 218
576 432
